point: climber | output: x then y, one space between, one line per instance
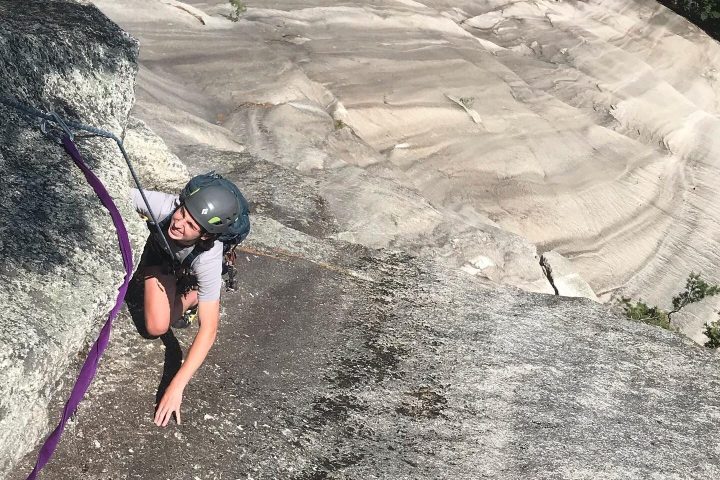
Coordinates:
183 285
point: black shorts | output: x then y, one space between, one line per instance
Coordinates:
154 256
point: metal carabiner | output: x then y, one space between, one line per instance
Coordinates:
46 130
63 126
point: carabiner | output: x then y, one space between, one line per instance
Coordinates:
44 128
63 126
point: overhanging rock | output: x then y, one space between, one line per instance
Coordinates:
60 264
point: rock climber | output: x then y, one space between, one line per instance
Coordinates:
183 285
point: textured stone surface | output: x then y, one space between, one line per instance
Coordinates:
156 166
373 364
348 204
335 360
264 100
60 266
338 361
599 132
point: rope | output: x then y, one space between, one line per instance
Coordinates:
89 368
61 131
65 128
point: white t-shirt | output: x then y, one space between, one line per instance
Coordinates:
207 266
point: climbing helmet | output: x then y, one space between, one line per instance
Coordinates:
214 206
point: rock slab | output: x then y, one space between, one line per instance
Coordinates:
374 365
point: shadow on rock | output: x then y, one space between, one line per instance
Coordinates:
173 352
36 203
173 361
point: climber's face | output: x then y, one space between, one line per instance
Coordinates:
183 227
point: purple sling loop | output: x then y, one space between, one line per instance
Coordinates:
91 362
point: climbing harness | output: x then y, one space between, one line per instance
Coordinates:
230 257
61 131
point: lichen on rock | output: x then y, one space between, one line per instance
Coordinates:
60 261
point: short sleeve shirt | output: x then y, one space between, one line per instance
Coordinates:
207 266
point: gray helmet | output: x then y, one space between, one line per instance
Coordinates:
215 207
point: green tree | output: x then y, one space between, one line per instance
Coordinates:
695 290
712 331
703 13
642 312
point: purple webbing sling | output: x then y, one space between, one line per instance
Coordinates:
91 362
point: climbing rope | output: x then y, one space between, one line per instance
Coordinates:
61 131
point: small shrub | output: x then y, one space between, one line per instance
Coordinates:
712 331
709 11
467 101
695 290
239 8
705 9
641 312
703 13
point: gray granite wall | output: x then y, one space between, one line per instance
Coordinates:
60 266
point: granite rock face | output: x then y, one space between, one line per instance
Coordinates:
376 212
156 166
60 264
338 361
334 359
598 120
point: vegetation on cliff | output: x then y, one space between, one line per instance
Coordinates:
703 13
696 289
